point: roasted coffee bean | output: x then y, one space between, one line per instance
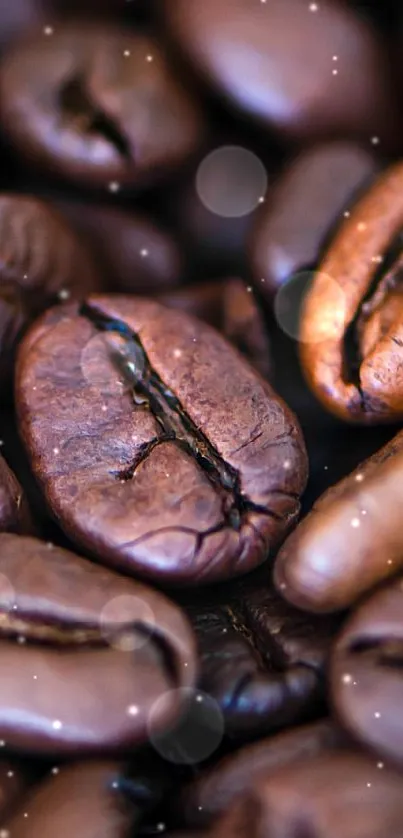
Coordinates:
85 654
352 320
41 261
82 799
98 104
158 447
230 307
276 62
351 540
219 787
132 253
326 797
262 661
14 511
366 672
308 199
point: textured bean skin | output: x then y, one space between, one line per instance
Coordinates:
41 261
68 687
82 799
351 539
282 74
97 104
366 673
181 465
307 201
319 798
220 787
368 388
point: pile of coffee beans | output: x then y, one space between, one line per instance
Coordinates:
201 412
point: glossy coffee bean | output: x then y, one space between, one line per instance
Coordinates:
133 255
82 799
352 538
324 797
261 661
158 447
14 511
85 654
307 201
352 325
98 104
41 262
366 673
308 73
219 787
230 307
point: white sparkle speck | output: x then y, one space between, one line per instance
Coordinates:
361 226
335 72
313 7
389 561
261 199
368 785
21 640
363 511
287 463
57 725
177 353
380 765
55 770
132 710
35 677
347 679
199 699
144 252
161 827
377 259
377 715
104 408
126 53
2 743
4 833
50 545
115 784
249 289
150 58
64 294
56 450
355 522
114 186
1 441
48 30
346 214
335 58
375 140
359 477
10 773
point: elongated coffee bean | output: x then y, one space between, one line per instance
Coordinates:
158 447
85 654
98 104
366 672
82 799
352 538
41 262
352 321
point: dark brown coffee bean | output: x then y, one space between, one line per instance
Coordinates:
308 71
221 786
261 682
308 199
325 797
14 512
133 254
41 261
352 538
85 654
97 104
366 673
230 307
158 447
82 799
351 328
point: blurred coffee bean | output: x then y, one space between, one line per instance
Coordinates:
366 672
132 253
307 70
302 208
97 104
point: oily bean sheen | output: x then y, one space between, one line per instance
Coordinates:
97 104
41 261
261 663
84 653
329 796
14 511
231 308
352 538
366 672
83 799
132 253
352 321
159 449
274 61
220 786
308 199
